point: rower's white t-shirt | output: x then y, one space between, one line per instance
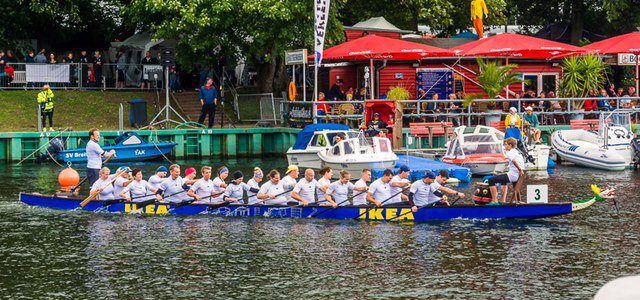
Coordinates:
513 173
274 189
235 191
421 192
433 188
322 182
361 198
340 191
118 186
138 189
380 191
94 155
107 192
306 189
173 191
217 188
156 180
251 196
288 183
396 190
203 188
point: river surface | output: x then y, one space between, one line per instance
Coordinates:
79 255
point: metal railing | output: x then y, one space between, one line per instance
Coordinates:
552 111
84 76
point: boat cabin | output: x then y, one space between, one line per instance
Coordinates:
479 140
360 145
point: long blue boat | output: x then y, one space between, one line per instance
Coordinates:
129 146
386 213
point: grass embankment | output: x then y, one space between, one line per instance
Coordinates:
81 110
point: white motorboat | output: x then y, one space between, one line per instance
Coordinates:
355 154
607 149
313 139
477 148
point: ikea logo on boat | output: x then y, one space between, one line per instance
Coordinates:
387 214
153 209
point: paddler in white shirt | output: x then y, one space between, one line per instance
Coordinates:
172 189
290 179
203 187
254 185
272 191
338 191
235 189
430 190
305 190
103 185
121 183
138 188
219 185
190 176
360 198
323 183
156 179
380 190
399 183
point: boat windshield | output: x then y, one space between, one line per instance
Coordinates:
469 149
478 138
614 119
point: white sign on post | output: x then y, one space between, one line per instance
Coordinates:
537 194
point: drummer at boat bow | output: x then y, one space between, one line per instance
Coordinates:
305 190
94 156
380 190
430 190
271 192
172 189
289 180
398 184
138 188
516 165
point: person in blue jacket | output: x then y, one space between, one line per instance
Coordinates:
209 102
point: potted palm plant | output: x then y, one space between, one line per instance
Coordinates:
493 78
579 75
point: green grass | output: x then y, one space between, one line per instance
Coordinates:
81 110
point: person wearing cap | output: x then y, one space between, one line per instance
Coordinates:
254 185
374 125
172 189
531 120
156 179
398 184
360 198
430 190
290 179
323 184
380 190
339 190
203 187
138 188
121 182
189 176
272 191
219 185
305 190
235 190
513 119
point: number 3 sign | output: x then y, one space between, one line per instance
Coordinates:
537 194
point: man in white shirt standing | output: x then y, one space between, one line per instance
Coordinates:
399 183
380 190
304 190
289 181
94 156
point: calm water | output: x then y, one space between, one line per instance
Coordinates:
76 255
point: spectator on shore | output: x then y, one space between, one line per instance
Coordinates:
85 72
620 92
98 61
603 105
542 102
531 120
455 107
11 59
174 80
52 58
40 58
611 91
45 102
513 119
349 94
149 60
374 125
121 65
3 57
73 69
323 108
209 101
30 58
335 92
632 91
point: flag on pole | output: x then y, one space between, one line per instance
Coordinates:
321 8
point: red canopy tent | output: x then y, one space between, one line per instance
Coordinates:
515 45
378 47
626 43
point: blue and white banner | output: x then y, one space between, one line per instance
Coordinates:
48 73
321 9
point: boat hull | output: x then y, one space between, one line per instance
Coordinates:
480 165
578 147
526 211
123 153
355 168
304 159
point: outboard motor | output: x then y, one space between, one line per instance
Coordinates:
635 146
55 146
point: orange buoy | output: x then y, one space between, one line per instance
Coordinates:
68 179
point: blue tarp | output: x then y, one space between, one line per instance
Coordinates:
420 165
305 135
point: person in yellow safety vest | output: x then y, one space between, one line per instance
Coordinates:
478 11
45 102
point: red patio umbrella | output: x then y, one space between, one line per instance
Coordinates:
378 47
626 43
515 45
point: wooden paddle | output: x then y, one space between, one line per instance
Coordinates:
96 192
73 189
332 208
143 204
396 194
